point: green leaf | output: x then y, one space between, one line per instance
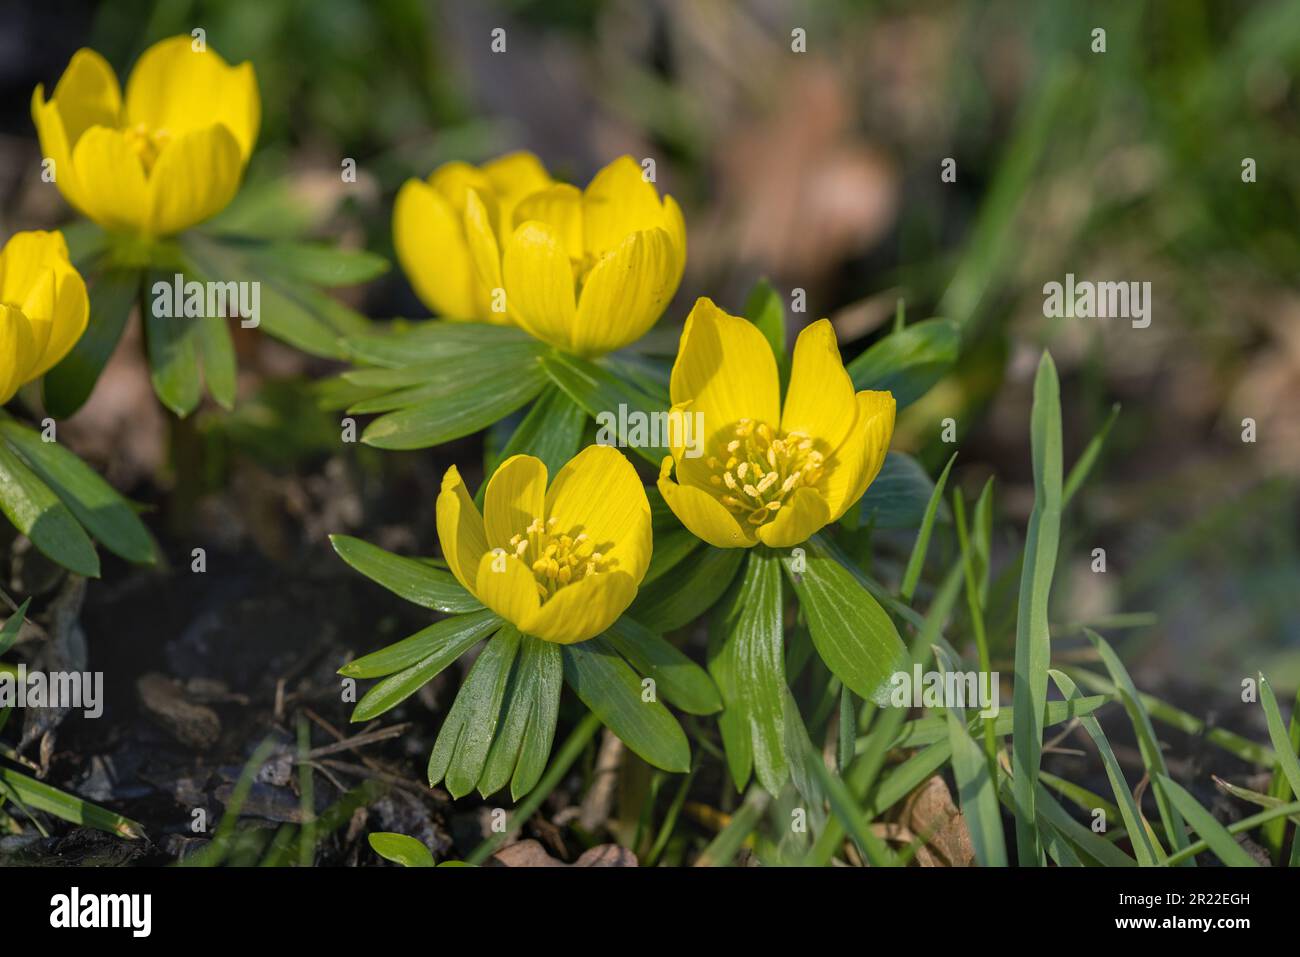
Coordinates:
747 660
36 512
174 355
461 751
766 309
527 726
404 344
218 354
681 681
429 650
94 503
39 796
853 635
68 385
1152 757
1277 733
612 690
916 561
1033 639
318 264
409 578
475 406
851 818
551 431
289 310
400 849
976 786
932 728
910 361
1079 472
598 391
396 688
1147 853
1223 844
422 382
14 624
679 596
899 495
671 548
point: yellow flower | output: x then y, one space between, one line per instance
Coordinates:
434 219
171 156
560 564
43 308
586 271
591 272
769 474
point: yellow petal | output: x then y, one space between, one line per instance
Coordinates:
180 90
702 513
626 293
675 223
820 400
584 609
195 177
858 461
725 368
802 514
460 530
16 350
36 275
68 321
560 207
87 94
430 241
456 179
111 183
514 177
619 201
483 248
56 146
516 174
515 496
539 284
598 492
25 258
506 586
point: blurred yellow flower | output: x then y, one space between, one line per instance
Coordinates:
169 157
43 308
433 220
586 271
769 474
560 564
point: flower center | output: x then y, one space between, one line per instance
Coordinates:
555 558
756 467
147 143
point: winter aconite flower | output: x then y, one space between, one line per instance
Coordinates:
433 221
43 308
170 156
560 564
770 473
586 271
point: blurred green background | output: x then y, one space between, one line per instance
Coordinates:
821 171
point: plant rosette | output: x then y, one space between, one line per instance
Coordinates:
542 578
541 290
146 170
775 471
